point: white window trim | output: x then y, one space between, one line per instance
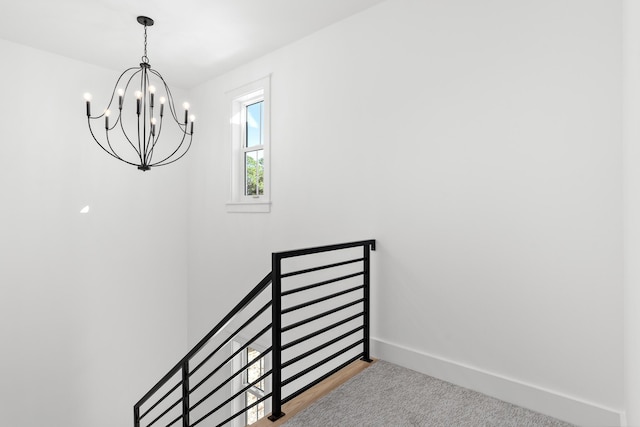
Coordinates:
237 99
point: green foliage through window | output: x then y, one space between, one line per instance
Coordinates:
254 173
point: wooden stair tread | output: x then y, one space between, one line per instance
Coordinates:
321 389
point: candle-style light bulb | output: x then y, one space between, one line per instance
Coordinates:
120 95
193 119
153 126
152 92
87 98
162 101
186 111
138 95
106 119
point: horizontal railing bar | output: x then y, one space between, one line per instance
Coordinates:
242 411
225 382
231 398
320 363
324 282
319 300
233 313
230 337
320 331
320 347
323 267
317 381
160 401
328 248
321 315
165 412
230 358
174 421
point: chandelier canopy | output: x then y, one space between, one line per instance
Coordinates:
137 141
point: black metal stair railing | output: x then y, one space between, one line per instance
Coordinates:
312 323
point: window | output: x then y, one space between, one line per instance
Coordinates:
256 392
249 136
250 363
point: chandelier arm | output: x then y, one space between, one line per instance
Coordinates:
96 139
150 143
183 126
138 69
176 159
112 96
111 148
143 110
169 95
176 150
105 150
128 140
139 150
120 114
153 140
115 124
157 137
113 93
162 162
115 88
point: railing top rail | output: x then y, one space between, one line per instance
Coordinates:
328 248
241 305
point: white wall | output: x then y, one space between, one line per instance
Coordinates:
632 209
480 144
92 307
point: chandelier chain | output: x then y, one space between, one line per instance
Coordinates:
145 59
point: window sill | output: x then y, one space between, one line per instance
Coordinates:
248 207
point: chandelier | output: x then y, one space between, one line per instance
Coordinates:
136 139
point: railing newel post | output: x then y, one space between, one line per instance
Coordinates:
366 310
136 416
185 394
276 337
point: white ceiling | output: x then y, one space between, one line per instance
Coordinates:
191 41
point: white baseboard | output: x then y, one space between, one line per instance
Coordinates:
548 402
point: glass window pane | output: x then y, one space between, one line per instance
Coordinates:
252 414
260 410
255 413
255 370
254 173
254 124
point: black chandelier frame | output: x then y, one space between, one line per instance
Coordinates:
149 128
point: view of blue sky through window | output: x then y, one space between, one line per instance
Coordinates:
254 124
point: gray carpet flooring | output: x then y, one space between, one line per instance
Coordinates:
390 395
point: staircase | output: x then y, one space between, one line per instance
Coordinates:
304 321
